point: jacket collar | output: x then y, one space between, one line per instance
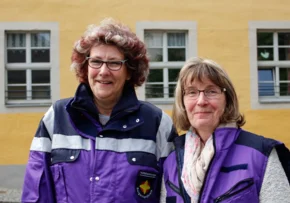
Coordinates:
83 100
224 136
128 101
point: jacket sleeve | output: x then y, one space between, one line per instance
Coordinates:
164 146
165 131
163 192
275 186
38 184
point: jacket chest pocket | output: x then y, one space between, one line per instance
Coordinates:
142 159
59 183
146 175
64 155
58 158
242 192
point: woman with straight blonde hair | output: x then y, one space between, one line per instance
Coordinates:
216 160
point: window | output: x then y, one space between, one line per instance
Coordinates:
27 67
163 48
169 45
274 78
270 59
30 68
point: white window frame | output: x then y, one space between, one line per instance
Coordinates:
265 102
191 49
53 65
166 65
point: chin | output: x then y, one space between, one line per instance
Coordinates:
203 125
103 96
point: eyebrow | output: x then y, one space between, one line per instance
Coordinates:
110 59
209 86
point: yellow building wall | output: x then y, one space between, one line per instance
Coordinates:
222 35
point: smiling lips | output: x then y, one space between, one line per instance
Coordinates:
203 112
104 82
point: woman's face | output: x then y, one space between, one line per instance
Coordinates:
204 113
107 85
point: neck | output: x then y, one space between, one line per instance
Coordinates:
105 107
204 135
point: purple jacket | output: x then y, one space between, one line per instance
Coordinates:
235 173
75 159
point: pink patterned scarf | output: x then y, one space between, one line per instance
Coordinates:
196 162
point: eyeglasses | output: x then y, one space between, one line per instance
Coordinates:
210 93
111 65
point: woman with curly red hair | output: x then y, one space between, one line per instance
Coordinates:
102 145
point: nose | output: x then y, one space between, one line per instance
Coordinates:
201 100
104 69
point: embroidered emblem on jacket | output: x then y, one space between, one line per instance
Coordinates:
145 183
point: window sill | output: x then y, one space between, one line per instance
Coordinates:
16 105
161 101
271 100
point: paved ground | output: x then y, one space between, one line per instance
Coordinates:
11 180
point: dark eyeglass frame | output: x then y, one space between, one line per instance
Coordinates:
205 92
108 63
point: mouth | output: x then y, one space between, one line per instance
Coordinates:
104 82
204 112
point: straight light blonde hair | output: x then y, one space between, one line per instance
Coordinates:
200 69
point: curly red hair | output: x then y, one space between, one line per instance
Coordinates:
114 33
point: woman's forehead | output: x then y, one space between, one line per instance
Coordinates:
205 81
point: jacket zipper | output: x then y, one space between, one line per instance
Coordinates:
173 187
208 169
92 166
92 161
231 192
179 177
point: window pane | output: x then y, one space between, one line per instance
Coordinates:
153 39
176 54
176 39
266 89
284 89
265 38
284 54
265 54
266 82
41 39
16 77
154 91
155 54
284 38
16 56
171 90
173 74
40 55
16 92
16 40
284 74
40 92
155 75
265 74
40 76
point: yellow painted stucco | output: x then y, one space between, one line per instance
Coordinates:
222 35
